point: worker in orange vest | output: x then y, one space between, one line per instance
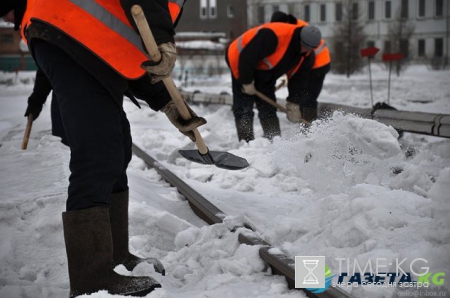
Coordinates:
305 86
91 52
257 59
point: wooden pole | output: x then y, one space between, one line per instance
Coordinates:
27 132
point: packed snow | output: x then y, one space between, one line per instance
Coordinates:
347 187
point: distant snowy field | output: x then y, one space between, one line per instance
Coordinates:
342 189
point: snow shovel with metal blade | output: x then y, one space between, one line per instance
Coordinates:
222 160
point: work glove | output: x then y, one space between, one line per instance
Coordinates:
33 108
293 112
184 126
162 69
249 88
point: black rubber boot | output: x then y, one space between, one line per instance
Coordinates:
271 128
118 215
87 234
309 114
244 127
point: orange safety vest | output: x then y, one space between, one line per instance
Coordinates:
284 33
101 26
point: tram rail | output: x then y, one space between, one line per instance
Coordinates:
280 263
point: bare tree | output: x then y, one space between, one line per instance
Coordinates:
350 37
400 32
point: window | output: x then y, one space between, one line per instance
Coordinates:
275 8
230 11
323 12
371 12
422 6
438 47
387 46
295 9
355 11
203 9
421 47
404 9
212 9
438 8
307 13
338 12
370 43
261 14
387 9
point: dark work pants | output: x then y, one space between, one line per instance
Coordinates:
243 103
57 125
96 127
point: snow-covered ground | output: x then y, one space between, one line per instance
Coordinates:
343 189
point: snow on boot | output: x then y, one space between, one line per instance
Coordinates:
271 128
244 127
309 114
118 215
87 235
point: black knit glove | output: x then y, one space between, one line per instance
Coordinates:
34 108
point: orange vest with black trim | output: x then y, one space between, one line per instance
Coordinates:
284 34
101 26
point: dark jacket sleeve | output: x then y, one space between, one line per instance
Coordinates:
262 45
157 15
41 89
305 86
155 95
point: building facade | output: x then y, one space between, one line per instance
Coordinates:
429 18
225 18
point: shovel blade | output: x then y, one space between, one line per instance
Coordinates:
222 160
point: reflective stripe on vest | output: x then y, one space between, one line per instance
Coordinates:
284 34
322 55
107 18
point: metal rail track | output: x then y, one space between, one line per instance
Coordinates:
279 263
415 122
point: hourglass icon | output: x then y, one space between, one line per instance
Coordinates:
310 278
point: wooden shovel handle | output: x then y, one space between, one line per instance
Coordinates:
155 55
270 101
278 106
26 136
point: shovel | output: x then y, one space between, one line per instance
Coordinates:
222 160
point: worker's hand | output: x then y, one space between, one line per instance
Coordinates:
162 69
293 112
249 88
184 126
33 108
